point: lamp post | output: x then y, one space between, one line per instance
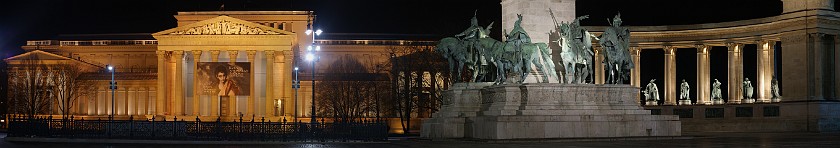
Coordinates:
113 89
310 56
296 86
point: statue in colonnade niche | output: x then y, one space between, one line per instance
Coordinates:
717 98
747 89
616 44
685 99
651 93
774 90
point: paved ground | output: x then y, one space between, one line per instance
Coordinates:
702 140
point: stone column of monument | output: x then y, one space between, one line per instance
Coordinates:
214 100
95 107
286 68
635 77
232 101
178 107
764 69
735 73
703 81
161 77
537 20
836 66
138 95
670 75
599 65
253 92
196 91
269 85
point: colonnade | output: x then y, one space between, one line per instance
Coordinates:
735 70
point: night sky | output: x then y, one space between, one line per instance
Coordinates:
45 19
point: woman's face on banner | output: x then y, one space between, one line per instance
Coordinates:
221 76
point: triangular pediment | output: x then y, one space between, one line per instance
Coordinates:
223 25
37 55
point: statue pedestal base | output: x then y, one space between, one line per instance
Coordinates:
551 110
651 103
775 100
460 102
685 102
747 101
716 102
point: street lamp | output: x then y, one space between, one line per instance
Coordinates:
296 86
310 56
113 89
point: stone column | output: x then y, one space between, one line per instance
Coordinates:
764 70
703 81
252 93
214 56
735 77
817 66
836 66
269 83
599 65
161 77
635 77
178 105
232 101
196 91
127 98
670 75
286 68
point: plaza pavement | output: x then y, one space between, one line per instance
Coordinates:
702 140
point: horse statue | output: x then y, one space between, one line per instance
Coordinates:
576 51
453 50
616 43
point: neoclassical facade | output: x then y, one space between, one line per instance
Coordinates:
173 73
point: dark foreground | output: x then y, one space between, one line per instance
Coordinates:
690 140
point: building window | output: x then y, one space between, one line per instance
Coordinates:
743 111
684 113
771 111
714 112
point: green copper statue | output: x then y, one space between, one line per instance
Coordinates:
616 44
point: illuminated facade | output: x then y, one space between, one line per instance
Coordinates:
175 72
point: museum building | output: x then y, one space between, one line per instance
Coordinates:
215 63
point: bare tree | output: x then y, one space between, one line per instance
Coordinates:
29 85
417 77
349 92
68 86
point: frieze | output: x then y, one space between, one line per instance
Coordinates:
225 27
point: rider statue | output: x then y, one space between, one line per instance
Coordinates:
517 35
475 31
616 43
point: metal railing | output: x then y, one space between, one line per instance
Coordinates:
198 130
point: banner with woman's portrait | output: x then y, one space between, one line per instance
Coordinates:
224 78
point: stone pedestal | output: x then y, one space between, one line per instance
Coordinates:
461 101
774 100
651 103
716 102
540 110
747 101
685 102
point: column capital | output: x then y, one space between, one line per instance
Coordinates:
251 54
816 34
214 52
269 54
702 48
669 49
160 52
233 54
635 50
196 53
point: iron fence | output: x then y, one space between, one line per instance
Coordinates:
364 130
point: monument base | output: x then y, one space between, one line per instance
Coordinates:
685 102
460 102
774 100
651 103
716 102
551 110
747 101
